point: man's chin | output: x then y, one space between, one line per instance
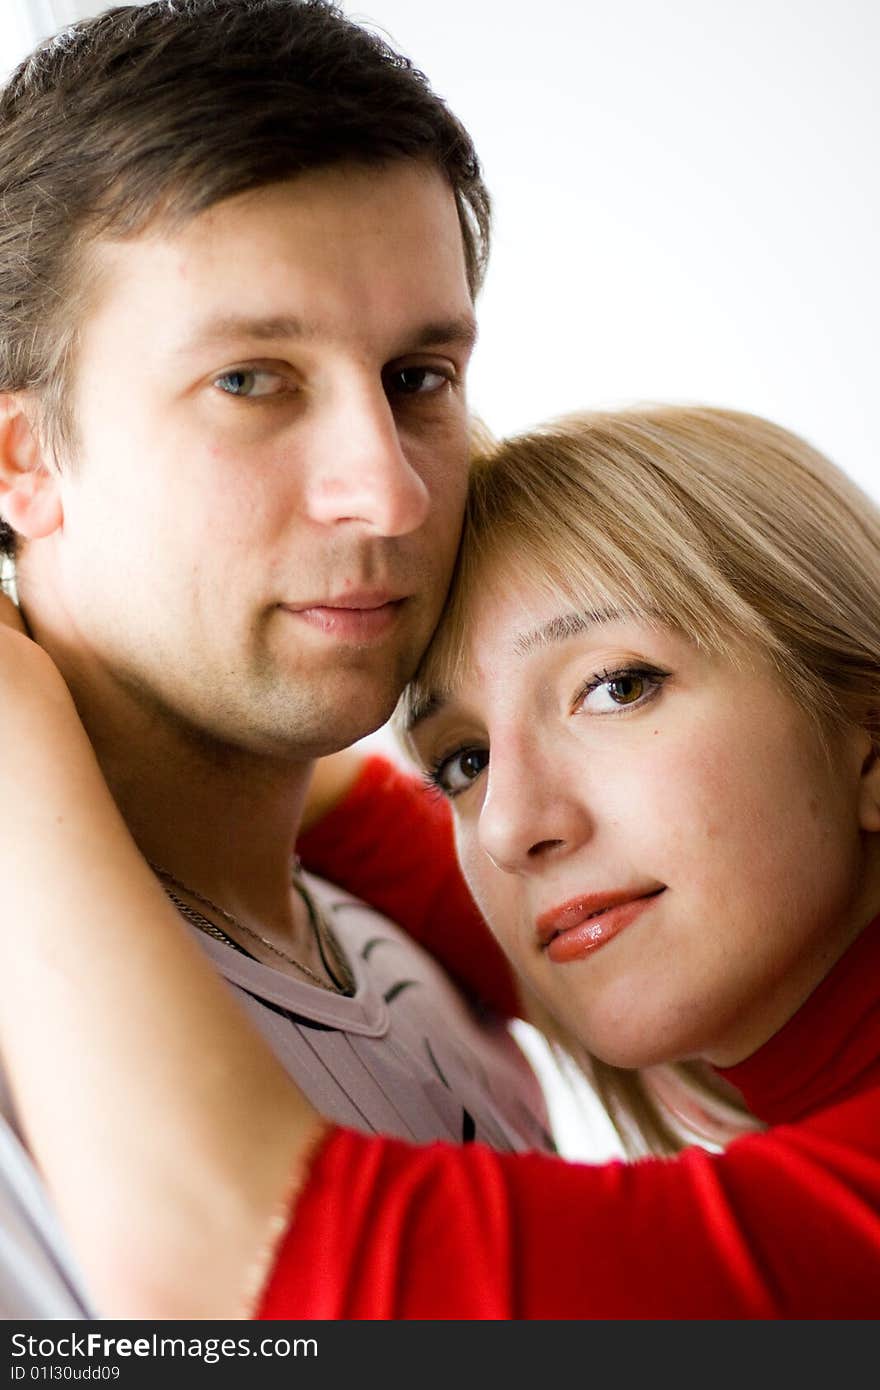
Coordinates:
332 735
325 719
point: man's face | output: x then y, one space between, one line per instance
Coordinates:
271 458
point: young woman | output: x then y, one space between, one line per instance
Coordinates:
653 705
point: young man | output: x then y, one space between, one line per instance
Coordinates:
241 242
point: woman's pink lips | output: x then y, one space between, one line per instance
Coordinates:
581 926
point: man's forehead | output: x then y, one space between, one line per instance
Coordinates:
279 262
356 201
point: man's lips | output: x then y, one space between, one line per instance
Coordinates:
352 598
579 926
357 615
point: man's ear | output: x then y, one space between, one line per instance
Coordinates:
869 785
30 496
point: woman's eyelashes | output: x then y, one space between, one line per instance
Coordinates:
452 773
614 691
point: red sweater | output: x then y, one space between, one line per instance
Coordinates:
783 1224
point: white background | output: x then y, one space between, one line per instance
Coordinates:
687 206
687 203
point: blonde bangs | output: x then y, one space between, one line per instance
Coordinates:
590 534
715 523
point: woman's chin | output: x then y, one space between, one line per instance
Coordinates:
635 1042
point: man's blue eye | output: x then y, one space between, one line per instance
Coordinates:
248 383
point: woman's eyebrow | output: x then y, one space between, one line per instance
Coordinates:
562 627
423 709
558 629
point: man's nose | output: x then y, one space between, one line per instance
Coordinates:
530 816
360 471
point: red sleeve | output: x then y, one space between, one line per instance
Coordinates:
390 842
784 1224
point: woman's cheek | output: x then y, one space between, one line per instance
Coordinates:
492 890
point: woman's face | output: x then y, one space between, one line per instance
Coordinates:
655 834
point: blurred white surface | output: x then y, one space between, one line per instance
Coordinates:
580 1125
40 18
687 199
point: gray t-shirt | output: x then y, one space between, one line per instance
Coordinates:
38 1274
406 1055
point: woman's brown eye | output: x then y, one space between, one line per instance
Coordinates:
472 762
625 690
611 692
460 770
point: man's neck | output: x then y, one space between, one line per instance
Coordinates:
221 819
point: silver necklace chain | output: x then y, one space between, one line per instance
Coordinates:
324 940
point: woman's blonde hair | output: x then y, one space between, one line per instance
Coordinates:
717 523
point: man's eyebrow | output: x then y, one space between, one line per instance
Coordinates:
225 327
456 332
558 629
272 328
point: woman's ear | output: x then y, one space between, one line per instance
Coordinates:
869 786
30 496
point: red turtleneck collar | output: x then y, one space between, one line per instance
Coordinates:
828 1050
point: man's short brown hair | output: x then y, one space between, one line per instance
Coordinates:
153 113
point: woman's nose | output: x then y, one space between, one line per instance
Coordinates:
530 815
